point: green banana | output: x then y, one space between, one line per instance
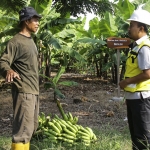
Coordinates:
90 131
52 126
84 130
70 127
54 120
94 137
53 132
46 121
68 122
44 129
50 135
83 134
75 127
75 120
78 126
69 132
86 141
59 138
61 124
52 138
68 136
70 116
57 117
64 122
58 126
85 137
68 140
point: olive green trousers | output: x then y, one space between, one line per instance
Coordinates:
25 121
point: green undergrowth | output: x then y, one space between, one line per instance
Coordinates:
108 139
5 143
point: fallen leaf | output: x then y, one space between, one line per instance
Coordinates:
110 114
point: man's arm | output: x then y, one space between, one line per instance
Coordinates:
6 60
145 75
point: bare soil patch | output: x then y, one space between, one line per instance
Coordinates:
90 100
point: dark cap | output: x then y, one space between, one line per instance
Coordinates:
27 13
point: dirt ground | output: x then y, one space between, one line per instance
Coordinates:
91 100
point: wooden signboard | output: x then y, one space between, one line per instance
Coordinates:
115 42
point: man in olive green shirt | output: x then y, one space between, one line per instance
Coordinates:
19 65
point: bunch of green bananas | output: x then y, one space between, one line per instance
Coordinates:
73 120
59 130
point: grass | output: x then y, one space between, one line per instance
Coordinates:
108 139
5 143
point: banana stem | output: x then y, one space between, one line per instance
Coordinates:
61 110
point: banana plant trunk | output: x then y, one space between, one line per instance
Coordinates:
62 112
97 69
106 57
48 63
114 73
40 66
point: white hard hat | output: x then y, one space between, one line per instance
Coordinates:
140 15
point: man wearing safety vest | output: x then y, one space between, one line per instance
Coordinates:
137 80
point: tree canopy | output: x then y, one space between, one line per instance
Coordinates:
73 7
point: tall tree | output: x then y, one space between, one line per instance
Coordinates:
15 5
74 7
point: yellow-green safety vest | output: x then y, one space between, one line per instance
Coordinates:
132 69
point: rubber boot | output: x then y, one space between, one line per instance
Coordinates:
17 146
27 146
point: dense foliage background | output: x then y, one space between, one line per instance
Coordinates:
63 41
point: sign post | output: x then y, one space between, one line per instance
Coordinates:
118 77
118 43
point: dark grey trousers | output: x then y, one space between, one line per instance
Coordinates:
26 111
138 113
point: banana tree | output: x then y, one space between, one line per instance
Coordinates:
7 30
55 82
54 38
63 41
51 36
99 29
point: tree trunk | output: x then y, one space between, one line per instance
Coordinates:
40 67
97 69
105 63
116 75
122 71
48 64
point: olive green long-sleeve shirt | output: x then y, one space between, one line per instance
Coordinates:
21 56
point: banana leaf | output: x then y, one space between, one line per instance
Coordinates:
57 77
59 94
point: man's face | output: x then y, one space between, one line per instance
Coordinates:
33 24
134 30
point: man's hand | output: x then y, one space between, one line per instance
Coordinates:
10 75
123 84
145 75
